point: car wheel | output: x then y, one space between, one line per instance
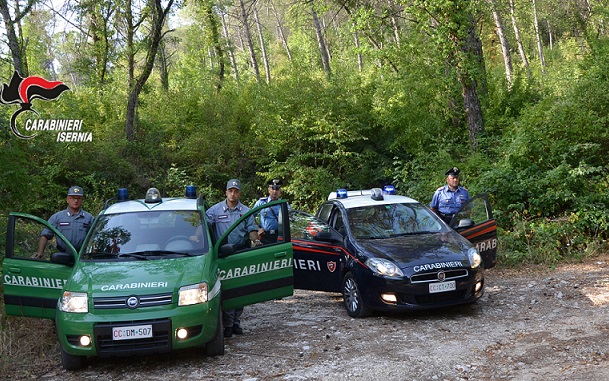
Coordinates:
215 347
353 298
71 362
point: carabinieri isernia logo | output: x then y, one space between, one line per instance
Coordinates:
23 91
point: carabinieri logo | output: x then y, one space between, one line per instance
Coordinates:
23 91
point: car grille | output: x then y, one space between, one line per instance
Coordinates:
159 342
433 276
121 301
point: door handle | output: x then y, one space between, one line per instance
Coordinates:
16 270
279 255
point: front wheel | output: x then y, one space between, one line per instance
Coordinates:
352 297
71 362
215 347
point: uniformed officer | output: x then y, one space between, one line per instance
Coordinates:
269 220
73 223
222 215
448 199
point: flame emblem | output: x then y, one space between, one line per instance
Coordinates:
23 91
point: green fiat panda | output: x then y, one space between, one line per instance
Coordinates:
149 277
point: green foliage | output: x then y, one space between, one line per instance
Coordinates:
397 118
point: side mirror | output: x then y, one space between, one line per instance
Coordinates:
466 223
62 259
226 250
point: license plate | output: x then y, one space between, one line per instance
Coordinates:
450 285
132 332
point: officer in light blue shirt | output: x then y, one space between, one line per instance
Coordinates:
73 223
269 217
448 199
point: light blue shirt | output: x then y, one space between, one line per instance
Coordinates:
269 217
447 201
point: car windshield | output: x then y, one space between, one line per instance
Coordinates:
146 235
391 220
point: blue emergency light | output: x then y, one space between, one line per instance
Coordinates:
191 191
389 189
341 193
123 195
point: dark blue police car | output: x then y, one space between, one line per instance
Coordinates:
388 252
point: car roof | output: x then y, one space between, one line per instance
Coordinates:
132 206
363 198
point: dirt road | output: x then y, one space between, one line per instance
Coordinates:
530 325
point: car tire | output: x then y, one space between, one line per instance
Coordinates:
71 362
352 298
215 347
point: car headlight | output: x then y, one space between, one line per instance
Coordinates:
194 294
383 267
474 257
77 302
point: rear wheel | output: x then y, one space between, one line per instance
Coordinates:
353 298
215 347
71 362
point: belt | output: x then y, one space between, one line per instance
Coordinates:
271 231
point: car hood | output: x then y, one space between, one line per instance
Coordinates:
421 252
134 277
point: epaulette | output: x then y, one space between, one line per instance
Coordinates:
440 188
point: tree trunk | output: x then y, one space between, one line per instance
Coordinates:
265 57
505 48
229 48
212 23
360 60
284 40
523 55
325 59
159 15
248 40
538 37
15 40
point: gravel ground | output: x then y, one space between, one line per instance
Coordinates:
533 324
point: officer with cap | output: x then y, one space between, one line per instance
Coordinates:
448 199
73 223
269 220
222 216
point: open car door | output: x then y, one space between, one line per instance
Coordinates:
32 285
318 259
252 274
475 222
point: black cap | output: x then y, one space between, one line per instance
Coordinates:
454 171
275 184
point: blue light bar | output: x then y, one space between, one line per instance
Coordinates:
341 193
389 189
123 195
191 191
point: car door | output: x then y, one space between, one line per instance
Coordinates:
318 251
255 274
32 286
483 232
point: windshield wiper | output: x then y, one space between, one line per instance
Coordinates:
412 233
133 255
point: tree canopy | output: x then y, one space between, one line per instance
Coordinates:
322 94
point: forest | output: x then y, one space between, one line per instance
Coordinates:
323 94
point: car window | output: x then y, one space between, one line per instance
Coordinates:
324 212
305 226
148 232
388 220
